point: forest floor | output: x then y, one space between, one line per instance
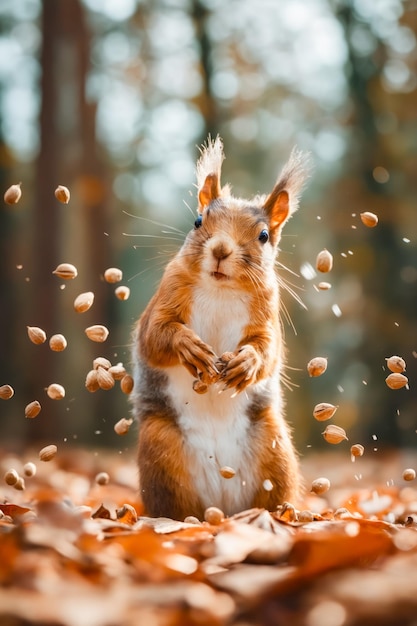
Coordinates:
74 552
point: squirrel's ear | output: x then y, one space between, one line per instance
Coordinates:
209 191
277 208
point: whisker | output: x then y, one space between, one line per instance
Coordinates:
154 222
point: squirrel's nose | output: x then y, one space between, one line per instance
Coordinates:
221 250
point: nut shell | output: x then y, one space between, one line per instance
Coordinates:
67 271
334 434
396 364
324 411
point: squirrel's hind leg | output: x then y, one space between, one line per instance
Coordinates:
166 486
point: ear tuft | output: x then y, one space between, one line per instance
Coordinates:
208 171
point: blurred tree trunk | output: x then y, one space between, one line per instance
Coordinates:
64 233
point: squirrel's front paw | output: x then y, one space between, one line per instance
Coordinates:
198 358
241 368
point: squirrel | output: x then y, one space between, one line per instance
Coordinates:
208 356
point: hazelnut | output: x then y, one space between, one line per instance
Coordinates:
320 486
324 261
97 333
6 392
55 391
126 384
317 366
13 194
113 275
122 292
62 194
84 301
57 343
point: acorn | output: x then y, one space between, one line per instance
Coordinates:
324 261
62 194
13 194
369 219
396 380
84 301
324 411
334 434
67 271
317 366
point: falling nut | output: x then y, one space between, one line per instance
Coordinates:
113 275
199 386
13 194
36 334
67 271
320 486
334 434
57 343
118 371
357 450
48 453
91 381
101 361
409 474
213 515
32 409
29 469
102 478
227 472
11 477
122 292
323 286
122 427
84 301
396 380
324 261
20 484
62 194
369 219
6 392
105 379
317 366
396 364
126 384
97 333
324 411
127 514
55 391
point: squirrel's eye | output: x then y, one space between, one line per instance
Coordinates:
263 236
198 221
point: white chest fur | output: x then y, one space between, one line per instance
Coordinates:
216 426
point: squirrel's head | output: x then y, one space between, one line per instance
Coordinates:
235 241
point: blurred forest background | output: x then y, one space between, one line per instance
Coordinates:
112 97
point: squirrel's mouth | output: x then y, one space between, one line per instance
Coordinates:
219 276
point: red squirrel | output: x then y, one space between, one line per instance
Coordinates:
208 357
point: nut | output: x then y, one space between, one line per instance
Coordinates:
91 381
396 380
13 194
227 472
320 485
102 478
409 474
199 386
213 515
122 292
324 261
67 271
324 411
11 477
36 334
84 301
122 426
105 379
396 364
20 484
324 286
48 452
317 366
357 450
127 514
55 391
57 343
369 219
334 434
32 409
29 469
6 392
126 384
97 333
62 194
113 275
117 371
101 361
